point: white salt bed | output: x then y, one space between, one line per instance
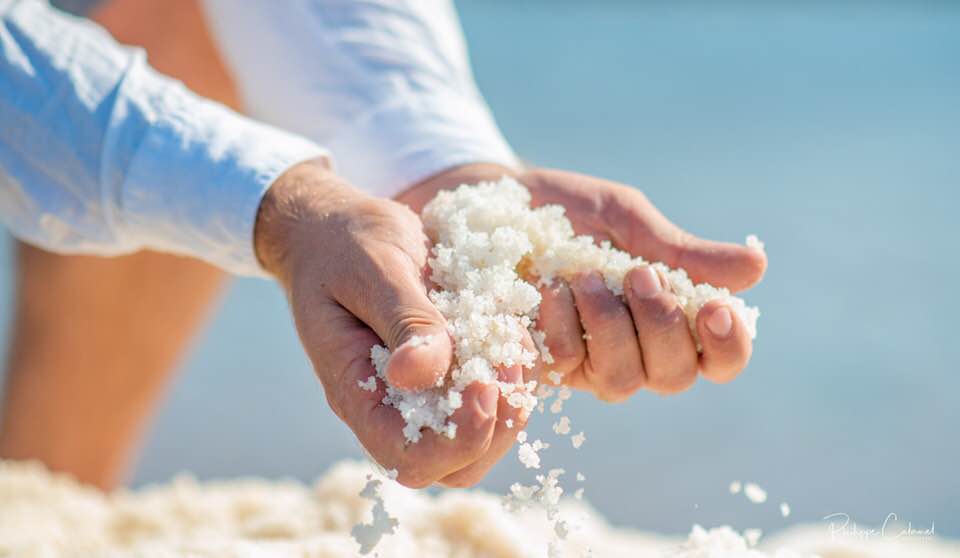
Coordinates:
484 236
50 516
754 493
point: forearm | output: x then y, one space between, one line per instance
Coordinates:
100 154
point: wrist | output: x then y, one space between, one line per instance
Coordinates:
296 203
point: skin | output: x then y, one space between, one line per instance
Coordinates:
377 294
96 340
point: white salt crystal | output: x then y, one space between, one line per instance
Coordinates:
754 242
754 493
370 384
555 377
580 477
752 536
557 406
522 436
578 439
528 456
563 426
578 494
735 487
369 534
509 423
418 340
785 509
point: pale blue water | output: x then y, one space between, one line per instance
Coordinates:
831 132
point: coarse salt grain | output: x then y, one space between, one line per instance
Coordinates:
563 426
370 384
754 493
785 509
578 439
369 534
754 242
735 487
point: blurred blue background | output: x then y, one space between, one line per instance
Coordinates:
831 130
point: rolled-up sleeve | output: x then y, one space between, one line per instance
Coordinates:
385 84
99 154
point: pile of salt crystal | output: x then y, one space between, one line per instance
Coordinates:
484 235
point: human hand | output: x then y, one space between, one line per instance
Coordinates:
611 346
354 270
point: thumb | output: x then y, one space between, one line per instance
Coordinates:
391 298
651 235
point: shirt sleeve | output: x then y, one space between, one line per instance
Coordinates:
385 84
100 154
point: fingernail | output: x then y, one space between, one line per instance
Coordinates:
645 282
487 400
510 374
592 282
720 322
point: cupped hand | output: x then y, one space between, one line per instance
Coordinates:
613 346
354 271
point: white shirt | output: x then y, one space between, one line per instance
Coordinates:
99 154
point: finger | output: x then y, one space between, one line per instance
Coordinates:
643 230
726 342
387 292
614 366
380 429
510 420
560 321
669 353
340 353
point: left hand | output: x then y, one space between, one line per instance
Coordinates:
608 345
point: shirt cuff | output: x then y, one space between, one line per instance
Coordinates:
195 183
396 145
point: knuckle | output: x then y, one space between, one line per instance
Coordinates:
567 352
462 479
675 381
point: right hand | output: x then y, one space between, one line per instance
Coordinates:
354 270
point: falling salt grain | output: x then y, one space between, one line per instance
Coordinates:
578 439
578 494
735 487
369 534
580 477
785 509
555 377
509 423
522 436
754 493
562 427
